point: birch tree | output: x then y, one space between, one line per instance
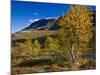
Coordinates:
76 29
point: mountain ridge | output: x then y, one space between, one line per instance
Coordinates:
41 24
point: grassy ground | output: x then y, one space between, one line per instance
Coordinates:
46 65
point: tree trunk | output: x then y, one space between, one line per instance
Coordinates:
74 58
73 53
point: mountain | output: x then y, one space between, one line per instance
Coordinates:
37 29
49 24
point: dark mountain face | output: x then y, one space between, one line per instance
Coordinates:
50 24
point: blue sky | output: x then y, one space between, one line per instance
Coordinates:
23 13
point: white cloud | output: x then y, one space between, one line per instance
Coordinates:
33 20
52 17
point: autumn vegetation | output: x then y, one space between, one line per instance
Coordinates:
72 48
